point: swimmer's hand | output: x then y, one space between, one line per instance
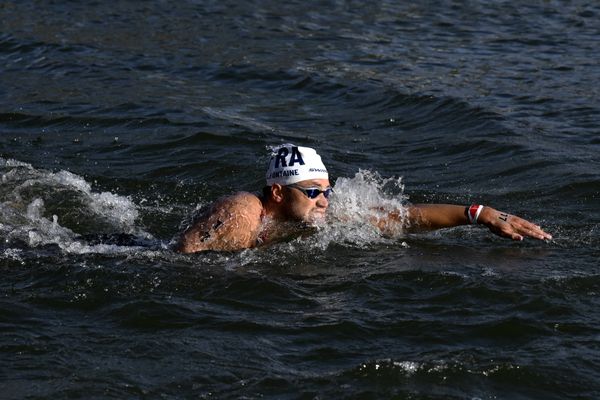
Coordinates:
510 226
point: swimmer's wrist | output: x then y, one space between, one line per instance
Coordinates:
473 212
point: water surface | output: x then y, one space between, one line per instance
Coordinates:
117 121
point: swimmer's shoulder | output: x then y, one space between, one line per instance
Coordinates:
232 223
245 202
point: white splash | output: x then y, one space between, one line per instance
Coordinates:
119 210
365 209
410 367
359 214
24 197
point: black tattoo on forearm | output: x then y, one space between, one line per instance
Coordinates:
503 216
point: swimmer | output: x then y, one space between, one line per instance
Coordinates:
296 197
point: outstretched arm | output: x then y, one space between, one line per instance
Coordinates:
436 216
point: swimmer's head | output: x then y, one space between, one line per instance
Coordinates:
290 164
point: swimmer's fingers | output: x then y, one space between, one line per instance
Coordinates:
512 227
522 228
538 233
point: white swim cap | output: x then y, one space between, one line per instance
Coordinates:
290 164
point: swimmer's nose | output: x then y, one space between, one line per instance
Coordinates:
322 201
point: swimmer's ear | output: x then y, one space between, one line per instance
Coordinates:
277 193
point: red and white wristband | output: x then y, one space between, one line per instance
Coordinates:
473 212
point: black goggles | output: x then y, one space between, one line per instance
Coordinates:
312 192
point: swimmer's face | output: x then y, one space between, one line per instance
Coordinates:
299 207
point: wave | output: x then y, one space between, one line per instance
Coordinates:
39 208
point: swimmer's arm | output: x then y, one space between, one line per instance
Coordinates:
233 224
437 216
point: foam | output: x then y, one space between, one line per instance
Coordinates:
356 202
353 204
24 218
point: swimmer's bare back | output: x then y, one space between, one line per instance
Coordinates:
232 223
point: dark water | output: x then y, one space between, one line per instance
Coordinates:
122 118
